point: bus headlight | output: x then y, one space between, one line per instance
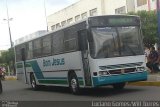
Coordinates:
103 73
140 69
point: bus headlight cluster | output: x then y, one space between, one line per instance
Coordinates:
103 73
140 68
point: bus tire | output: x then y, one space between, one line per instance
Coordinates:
119 86
73 84
33 82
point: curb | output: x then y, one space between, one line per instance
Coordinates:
11 78
145 83
141 83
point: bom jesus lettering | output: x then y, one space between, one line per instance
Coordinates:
53 62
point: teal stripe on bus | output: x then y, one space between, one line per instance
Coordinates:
53 81
64 82
28 65
106 80
50 80
19 65
79 78
36 70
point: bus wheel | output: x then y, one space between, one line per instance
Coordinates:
73 84
33 82
119 86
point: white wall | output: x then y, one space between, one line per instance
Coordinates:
74 10
145 7
111 5
153 5
130 5
104 7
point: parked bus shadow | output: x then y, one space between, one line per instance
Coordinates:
98 92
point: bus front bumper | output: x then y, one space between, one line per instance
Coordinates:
112 79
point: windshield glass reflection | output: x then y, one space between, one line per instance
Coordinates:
115 41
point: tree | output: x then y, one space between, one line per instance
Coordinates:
149 26
7 59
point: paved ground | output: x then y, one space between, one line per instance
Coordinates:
17 94
16 91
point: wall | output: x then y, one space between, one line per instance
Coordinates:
130 5
104 7
111 5
74 10
150 4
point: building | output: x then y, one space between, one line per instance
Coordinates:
86 8
145 5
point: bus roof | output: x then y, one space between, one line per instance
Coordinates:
61 28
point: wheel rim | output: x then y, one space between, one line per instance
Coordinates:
74 84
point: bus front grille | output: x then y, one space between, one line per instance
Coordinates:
121 71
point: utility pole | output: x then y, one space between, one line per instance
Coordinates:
158 17
45 12
9 29
8 22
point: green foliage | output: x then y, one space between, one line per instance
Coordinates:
7 59
149 26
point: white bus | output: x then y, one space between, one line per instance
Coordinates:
98 51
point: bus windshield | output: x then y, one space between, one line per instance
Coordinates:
115 42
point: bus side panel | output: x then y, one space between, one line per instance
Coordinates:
20 71
53 70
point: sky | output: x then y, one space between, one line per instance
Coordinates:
28 17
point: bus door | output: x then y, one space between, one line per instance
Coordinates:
23 56
83 44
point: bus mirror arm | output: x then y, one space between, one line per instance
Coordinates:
85 54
